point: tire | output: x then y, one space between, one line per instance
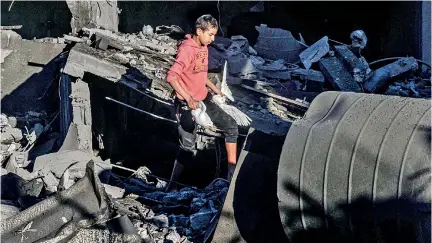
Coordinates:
357 167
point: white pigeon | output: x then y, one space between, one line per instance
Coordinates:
241 118
224 87
201 117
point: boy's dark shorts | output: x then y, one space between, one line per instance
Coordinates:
187 128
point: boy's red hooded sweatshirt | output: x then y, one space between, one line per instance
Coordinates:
190 69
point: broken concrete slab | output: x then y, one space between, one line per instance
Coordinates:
4 54
275 43
10 39
59 162
355 65
17 160
10 135
308 74
26 74
7 211
113 191
71 39
82 58
103 14
380 78
50 181
315 52
339 77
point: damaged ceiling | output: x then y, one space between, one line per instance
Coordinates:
63 144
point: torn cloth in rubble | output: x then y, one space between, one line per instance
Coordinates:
64 215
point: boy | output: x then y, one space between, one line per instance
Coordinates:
188 77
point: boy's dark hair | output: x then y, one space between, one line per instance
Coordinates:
205 22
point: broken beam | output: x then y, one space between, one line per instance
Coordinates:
381 77
134 108
290 101
339 77
11 27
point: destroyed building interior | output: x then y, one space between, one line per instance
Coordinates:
332 100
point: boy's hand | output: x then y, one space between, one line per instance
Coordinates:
193 104
218 92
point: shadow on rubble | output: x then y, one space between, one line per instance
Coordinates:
38 92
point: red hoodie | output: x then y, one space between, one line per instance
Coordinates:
190 69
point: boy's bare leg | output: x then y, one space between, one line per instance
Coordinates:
231 149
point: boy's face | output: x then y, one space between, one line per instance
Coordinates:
206 36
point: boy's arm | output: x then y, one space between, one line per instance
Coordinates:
193 104
213 87
182 61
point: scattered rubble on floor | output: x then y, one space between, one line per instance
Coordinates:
277 66
153 214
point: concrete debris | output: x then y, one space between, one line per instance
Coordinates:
71 39
315 52
380 78
359 39
309 74
8 211
274 44
411 87
4 54
358 67
17 160
239 45
147 30
10 135
85 13
113 191
339 77
84 204
51 182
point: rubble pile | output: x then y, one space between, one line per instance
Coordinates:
19 136
271 82
186 215
134 49
280 60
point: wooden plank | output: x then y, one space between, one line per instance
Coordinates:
293 102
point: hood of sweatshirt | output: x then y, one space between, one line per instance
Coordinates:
190 42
